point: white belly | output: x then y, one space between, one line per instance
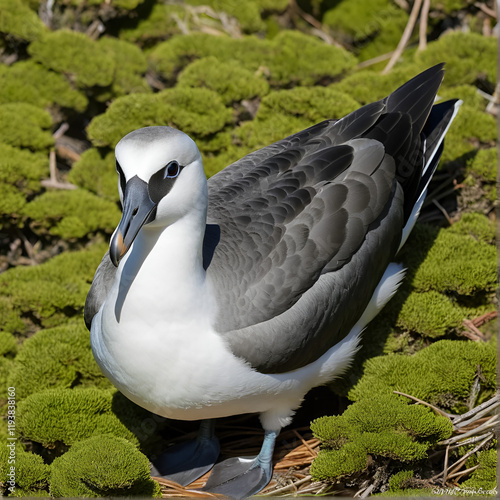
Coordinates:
160 350
190 374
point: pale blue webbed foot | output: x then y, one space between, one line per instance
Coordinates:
186 462
240 478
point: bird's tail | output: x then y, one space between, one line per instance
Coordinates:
434 130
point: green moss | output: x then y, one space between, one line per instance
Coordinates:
483 479
300 59
477 226
394 445
121 4
469 57
387 412
196 111
71 214
9 319
367 86
8 344
87 61
334 431
386 37
441 315
25 125
164 20
285 112
20 175
31 473
19 21
247 14
158 25
102 466
400 480
331 463
484 165
58 357
29 82
470 128
382 425
215 143
95 171
48 294
359 18
130 67
434 297
467 93
228 79
291 58
214 164
373 27
68 416
170 57
441 374
311 103
272 5
257 134
457 264
447 6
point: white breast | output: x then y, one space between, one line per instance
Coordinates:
153 338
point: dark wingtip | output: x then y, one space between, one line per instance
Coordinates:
417 95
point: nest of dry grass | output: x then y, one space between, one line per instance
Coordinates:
297 448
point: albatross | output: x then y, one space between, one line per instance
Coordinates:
241 293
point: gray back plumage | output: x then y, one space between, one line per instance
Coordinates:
309 224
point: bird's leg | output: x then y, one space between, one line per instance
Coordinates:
186 462
242 477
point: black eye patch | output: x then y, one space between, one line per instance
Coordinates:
162 181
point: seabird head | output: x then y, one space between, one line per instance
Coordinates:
160 179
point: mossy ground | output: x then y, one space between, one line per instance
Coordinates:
236 76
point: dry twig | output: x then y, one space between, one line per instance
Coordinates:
374 60
405 37
443 211
53 182
489 12
318 27
422 35
434 408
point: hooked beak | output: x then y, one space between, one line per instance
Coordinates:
138 209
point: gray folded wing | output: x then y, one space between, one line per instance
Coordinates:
309 225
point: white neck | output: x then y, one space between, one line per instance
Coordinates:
163 276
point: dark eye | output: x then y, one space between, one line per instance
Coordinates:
162 181
172 170
121 176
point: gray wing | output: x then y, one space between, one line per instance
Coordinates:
101 285
299 214
309 225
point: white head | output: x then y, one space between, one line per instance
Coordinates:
161 179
